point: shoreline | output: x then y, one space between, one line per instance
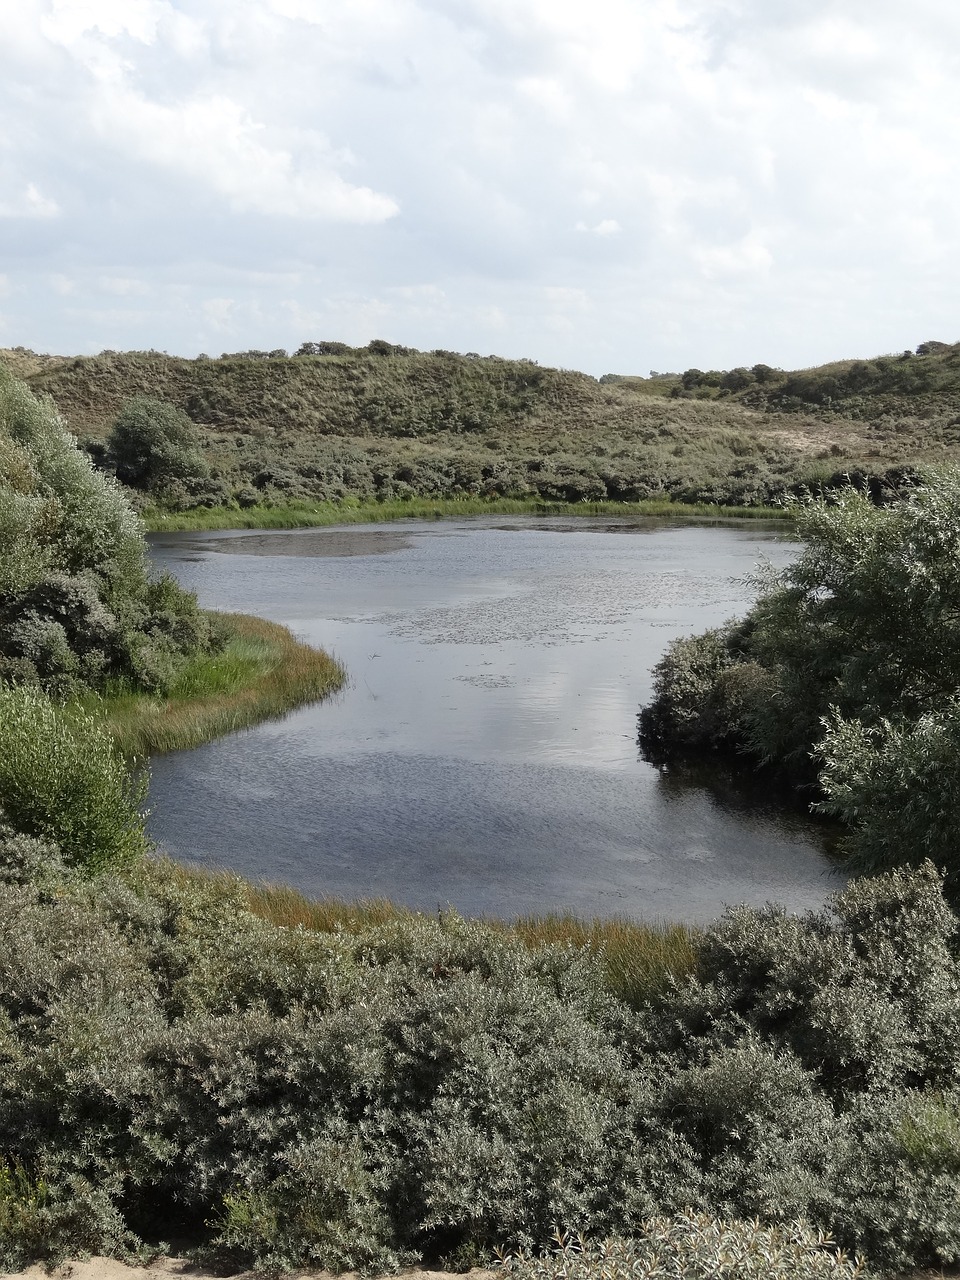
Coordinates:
263 673
320 514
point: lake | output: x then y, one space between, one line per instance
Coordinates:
484 753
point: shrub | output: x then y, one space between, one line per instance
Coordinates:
153 444
62 780
57 513
895 785
896 1188
77 606
866 994
435 1088
37 1222
693 1246
848 664
702 688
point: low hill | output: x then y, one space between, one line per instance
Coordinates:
384 421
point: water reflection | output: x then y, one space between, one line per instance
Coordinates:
484 753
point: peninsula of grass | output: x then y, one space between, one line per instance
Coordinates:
262 672
317 514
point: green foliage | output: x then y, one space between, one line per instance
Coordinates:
76 604
383 423
846 669
693 1246
152 444
437 1088
56 513
896 786
865 995
62 780
704 686
37 1224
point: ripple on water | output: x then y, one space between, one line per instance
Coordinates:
484 751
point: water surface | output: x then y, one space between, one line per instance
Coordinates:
484 752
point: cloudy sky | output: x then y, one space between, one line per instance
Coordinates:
610 185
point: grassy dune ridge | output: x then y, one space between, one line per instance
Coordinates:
263 672
371 426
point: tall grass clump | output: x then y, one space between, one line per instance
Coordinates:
62 779
636 958
261 672
293 515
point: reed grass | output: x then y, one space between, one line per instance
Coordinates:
638 958
307 514
262 673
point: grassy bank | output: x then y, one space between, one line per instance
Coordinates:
315 514
638 958
263 672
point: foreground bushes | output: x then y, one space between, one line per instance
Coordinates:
62 779
435 1088
694 1247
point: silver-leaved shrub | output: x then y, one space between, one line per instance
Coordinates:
431 1088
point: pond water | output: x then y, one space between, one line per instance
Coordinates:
484 753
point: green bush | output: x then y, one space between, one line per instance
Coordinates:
77 606
703 690
846 670
865 994
693 1246
896 787
432 1088
62 780
153 445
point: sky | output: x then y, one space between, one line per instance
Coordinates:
609 185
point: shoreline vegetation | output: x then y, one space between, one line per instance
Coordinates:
638 958
261 673
318 514
377 425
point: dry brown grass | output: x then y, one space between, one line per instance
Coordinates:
638 958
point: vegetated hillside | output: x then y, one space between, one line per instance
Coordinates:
386 422
912 397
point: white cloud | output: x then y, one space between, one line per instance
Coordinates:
749 181
219 312
30 202
214 142
65 21
122 286
748 254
